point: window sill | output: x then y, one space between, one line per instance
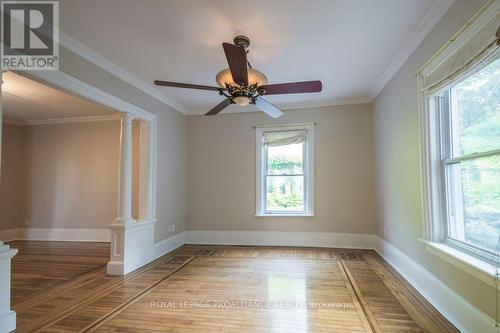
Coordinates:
476 267
284 215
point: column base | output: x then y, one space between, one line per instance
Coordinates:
8 322
132 246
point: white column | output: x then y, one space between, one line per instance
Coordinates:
7 316
120 236
125 184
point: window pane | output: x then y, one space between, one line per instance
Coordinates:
287 159
476 123
285 193
478 221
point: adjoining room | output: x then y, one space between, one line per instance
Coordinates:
59 188
274 166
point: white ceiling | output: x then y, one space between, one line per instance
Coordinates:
26 100
347 44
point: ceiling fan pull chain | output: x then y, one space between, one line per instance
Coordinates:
248 61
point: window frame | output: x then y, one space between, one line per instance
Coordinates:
261 170
436 132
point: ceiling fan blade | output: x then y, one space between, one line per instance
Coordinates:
185 85
268 108
291 88
237 59
219 107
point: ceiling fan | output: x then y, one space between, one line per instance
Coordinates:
243 85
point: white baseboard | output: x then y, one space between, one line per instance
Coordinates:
10 235
146 256
168 245
8 322
57 234
281 238
454 307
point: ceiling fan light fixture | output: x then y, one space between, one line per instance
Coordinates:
250 84
255 77
241 100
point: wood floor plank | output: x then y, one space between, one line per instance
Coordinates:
40 266
424 314
108 300
200 288
385 310
261 296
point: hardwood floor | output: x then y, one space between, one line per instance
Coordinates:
40 266
233 289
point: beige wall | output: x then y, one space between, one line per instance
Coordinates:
59 176
66 175
172 136
71 174
221 171
396 129
12 181
172 173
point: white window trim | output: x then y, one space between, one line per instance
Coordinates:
433 182
435 233
444 106
308 170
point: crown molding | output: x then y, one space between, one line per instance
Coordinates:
298 106
320 104
430 20
52 121
73 45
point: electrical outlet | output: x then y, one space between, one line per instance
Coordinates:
31 222
385 231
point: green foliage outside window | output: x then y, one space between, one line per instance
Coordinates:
280 164
285 193
479 114
281 201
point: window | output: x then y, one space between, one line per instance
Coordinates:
469 112
285 170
